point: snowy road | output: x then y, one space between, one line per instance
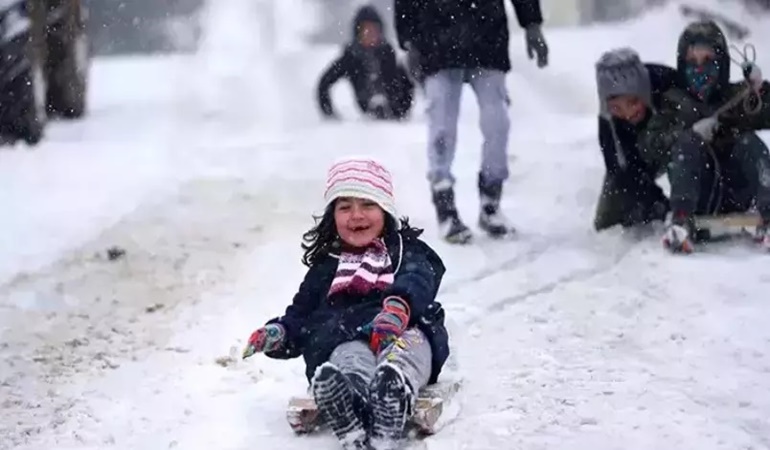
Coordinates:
565 339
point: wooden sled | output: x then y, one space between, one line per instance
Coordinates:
303 416
726 226
732 221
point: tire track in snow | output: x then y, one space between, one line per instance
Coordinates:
540 248
576 276
537 249
465 328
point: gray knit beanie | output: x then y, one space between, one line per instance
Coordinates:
621 72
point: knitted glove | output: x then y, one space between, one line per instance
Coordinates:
389 324
536 44
266 339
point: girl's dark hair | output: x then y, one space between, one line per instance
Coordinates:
322 238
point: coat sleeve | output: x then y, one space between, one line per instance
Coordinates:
339 68
294 319
607 145
405 17
661 133
418 278
634 176
528 12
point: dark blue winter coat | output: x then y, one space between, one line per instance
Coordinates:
316 323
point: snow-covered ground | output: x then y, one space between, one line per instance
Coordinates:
206 170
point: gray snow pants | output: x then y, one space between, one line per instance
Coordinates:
744 169
443 91
356 359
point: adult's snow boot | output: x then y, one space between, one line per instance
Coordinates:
338 403
491 219
452 229
392 402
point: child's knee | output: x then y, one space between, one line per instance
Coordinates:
354 358
324 373
750 144
389 377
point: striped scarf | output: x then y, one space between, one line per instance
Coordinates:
364 271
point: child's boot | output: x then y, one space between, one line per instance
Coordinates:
392 402
337 403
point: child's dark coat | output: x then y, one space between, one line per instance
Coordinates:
316 324
370 71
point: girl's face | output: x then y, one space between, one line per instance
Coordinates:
358 221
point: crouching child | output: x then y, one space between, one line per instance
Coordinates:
381 85
629 94
365 318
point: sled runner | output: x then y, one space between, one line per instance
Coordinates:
303 416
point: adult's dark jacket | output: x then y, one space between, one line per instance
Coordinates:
371 71
316 323
465 34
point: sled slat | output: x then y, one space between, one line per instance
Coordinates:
738 220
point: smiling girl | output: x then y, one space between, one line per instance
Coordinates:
365 317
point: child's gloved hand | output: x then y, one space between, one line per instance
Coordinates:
705 128
389 324
266 339
753 75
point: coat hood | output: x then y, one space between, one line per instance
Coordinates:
365 14
704 32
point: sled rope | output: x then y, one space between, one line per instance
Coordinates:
749 98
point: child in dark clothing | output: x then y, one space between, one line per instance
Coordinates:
382 87
629 93
365 317
705 138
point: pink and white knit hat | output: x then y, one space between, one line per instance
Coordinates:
361 177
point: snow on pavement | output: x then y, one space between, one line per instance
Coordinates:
87 174
565 338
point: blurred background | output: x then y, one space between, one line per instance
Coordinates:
147 26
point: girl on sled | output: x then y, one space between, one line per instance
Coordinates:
365 318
